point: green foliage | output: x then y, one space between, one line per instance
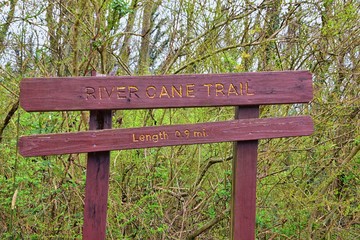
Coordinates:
120 7
307 187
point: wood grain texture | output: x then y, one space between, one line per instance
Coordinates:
140 92
97 183
131 138
96 195
243 211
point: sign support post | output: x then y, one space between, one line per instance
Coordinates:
243 210
97 181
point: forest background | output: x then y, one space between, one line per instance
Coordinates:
308 187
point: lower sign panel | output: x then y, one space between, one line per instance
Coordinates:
146 137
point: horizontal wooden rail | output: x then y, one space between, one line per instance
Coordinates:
145 137
140 92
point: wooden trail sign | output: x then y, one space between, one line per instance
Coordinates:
145 137
90 93
100 95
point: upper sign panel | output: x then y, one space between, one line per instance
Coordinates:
165 91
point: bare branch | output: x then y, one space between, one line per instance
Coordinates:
208 225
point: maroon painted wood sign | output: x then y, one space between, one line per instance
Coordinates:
145 137
100 95
90 93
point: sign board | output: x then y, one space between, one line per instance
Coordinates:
145 137
91 93
100 95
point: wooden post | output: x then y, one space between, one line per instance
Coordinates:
243 211
97 182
